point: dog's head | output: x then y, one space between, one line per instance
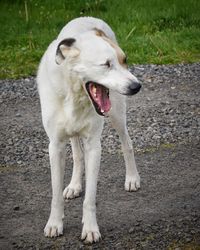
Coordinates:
99 65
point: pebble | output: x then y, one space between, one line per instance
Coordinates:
16 208
131 230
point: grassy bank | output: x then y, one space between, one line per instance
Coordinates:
150 31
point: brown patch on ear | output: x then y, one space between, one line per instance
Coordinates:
99 32
120 54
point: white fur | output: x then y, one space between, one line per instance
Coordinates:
67 113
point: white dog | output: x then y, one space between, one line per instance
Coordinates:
82 77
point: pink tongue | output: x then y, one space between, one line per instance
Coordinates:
102 98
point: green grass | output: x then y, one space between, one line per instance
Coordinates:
149 31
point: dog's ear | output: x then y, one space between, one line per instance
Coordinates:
65 48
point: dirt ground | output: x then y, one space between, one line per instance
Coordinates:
163 214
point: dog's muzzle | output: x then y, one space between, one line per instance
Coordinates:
99 95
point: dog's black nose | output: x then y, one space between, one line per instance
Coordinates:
134 87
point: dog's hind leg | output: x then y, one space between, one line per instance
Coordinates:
118 120
74 189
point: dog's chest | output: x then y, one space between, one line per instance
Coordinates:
78 114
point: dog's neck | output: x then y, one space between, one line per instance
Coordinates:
76 95
77 105
78 100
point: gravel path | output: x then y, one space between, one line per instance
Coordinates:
163 121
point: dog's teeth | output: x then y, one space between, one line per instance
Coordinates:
94 90
102 111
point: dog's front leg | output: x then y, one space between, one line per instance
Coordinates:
54 226
90 232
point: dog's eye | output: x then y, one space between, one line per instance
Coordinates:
107 64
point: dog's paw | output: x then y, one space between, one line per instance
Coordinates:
53 228
72 191
132 183
90 235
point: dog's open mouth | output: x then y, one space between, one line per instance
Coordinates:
99 96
